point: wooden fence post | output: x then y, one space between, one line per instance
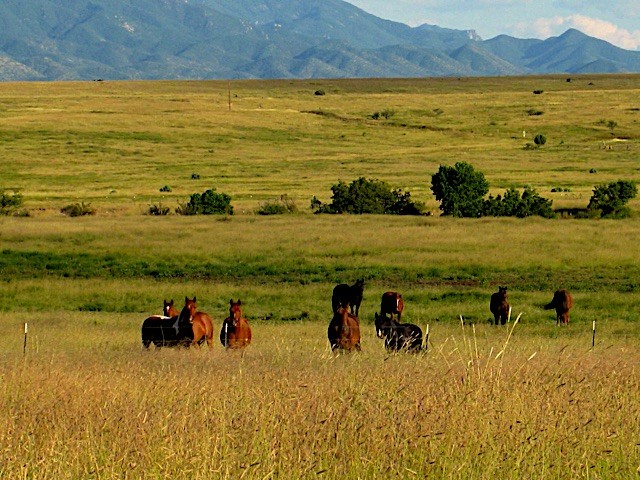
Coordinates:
24 346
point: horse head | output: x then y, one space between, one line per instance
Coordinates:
383 325
235 311
169 310
191 307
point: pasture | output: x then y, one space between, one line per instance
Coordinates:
530 400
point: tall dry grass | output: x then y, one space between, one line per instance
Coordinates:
484 402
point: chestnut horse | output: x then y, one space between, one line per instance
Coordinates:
201 324
392 303
562 303
168 331
344 331
499 306
235 332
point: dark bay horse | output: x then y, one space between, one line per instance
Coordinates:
499 306
168 331
391 303
344 295
235 332
201 323
398 336
344 331
562 303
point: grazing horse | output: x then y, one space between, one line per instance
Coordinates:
201 324
235 332
168 331
398 336
562 302
499 306
344 295
169 310
344 331
392 303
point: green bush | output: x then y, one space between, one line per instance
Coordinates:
279 206
540 139
460 190
158 210
512 204
166 188
209 202
10 203
368 196
78 210
610 200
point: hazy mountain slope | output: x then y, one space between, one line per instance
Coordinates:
122 39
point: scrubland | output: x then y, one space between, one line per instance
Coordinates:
528 400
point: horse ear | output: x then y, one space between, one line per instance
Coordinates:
239 302
231 302
194 299
186 299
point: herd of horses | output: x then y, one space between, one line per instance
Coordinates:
190 327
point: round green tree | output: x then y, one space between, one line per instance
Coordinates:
460 190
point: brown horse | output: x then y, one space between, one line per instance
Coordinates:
169 310
344 294
562 303
499 306
235 332
344 331
201 323
392 303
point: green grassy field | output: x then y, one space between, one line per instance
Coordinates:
86 402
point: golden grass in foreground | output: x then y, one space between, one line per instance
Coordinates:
545 408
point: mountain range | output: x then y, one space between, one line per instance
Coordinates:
209 39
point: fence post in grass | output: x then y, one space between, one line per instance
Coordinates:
426 339
593 336
24 346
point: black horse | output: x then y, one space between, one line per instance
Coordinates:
168 332
398 336
344 295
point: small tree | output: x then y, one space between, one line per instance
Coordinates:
368 196
540 139
512 204
208 203
460 190
9 203
610 200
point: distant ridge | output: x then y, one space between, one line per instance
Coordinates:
208 39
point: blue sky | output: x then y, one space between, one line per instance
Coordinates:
616 21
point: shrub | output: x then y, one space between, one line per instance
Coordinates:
512 204
320 93
195 176
368 196
158 210
460 190
208 203
540 139
166 188
387 113
279 206
10 203
538 92
610 200
78 210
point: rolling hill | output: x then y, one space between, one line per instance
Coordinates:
174 39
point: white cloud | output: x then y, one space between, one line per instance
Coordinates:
548 27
